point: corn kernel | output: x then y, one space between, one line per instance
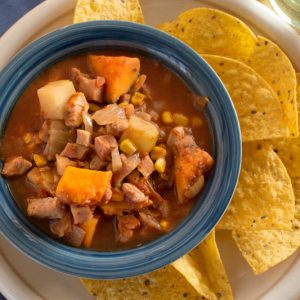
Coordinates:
93 107
128 147
167 117
160 165
158 152
164 224
197 122
39 160
180 119
117 195
27 138
138 98
123 105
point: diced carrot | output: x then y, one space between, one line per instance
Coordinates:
120 73
82 186
89 227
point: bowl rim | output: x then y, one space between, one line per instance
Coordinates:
107 265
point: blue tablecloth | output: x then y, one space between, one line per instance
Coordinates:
12 10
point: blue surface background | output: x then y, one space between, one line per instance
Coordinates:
12 10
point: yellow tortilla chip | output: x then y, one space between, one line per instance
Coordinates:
289 149
264 249
91 10
258 108
274 66
211 31
204 269
264 197
166 283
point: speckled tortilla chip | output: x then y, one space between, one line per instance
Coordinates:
166 283
264 196
289 149
259 111
211 31
204 269
264 249
274 66
91 10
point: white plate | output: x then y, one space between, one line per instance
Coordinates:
22 279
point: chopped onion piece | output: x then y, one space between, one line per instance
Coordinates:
109 114
116 160
88 122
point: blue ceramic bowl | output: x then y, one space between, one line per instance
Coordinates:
224 128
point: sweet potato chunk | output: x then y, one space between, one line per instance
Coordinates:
190 164
120 73
82 187
89 227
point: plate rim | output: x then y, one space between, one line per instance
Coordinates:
49 6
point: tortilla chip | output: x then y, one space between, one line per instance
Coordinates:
211 31
274 66
166 283
259 111
204 269
266 248
91 10
264 196
289 149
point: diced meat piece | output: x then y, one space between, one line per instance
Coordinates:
83 137
43 179
129 110
59 135
175 134
199 102
190 164
75 151
126 226
143 115
75 106
75 237
117 128
104 145
81 214
148 220
44 131
139 82
92 87
108 194
146 166
45 208
62 226
115 208
135 197
120 73
16 166
63 162
129 164
97 164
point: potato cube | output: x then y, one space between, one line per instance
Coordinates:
53 98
